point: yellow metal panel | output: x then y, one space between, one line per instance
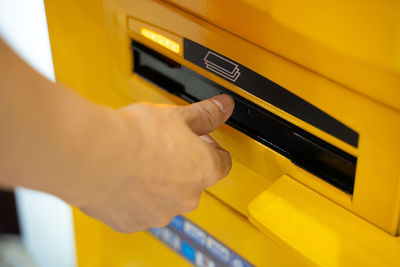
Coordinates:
319 230
98 245
356 43
80 54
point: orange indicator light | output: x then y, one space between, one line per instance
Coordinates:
160 39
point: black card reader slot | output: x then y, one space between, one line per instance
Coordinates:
302 148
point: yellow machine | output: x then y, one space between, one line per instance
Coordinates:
315 136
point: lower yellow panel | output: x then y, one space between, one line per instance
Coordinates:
319 230
98 245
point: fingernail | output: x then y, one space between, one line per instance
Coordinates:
207 139
224 102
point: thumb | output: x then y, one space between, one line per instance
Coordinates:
205 116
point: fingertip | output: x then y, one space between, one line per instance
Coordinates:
225 103
226 162
219 168
205 116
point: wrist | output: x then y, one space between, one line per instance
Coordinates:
105 144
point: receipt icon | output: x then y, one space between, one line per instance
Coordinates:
222 66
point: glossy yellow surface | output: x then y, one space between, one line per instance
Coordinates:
335 57
324 233
354 43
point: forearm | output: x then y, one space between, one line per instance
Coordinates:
132 168
50 136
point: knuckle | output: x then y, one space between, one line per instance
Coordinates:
162 221
126 225
175 115
191 205
136 108
122 228
209 113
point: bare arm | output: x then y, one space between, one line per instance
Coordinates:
48 133
133 168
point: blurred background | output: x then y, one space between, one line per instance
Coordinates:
36 229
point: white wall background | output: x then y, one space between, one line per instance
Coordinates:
46 221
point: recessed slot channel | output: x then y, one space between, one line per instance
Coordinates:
302 148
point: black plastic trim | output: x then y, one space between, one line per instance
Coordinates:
302 148
267 90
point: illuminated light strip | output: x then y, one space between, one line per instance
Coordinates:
160 39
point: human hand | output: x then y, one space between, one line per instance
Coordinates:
133 169
167 162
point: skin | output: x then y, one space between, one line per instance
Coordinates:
132 168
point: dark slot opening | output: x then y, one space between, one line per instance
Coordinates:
302 148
